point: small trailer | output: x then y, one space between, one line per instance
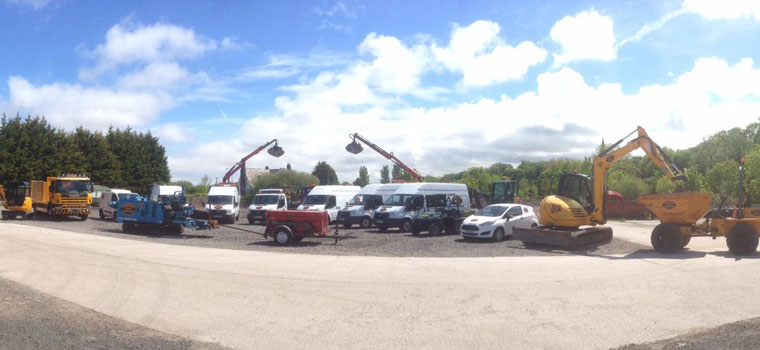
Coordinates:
288 226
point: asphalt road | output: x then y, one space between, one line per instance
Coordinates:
359 242
33 320
257 299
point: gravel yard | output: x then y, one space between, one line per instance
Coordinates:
360 242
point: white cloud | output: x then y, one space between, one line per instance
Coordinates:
396 68
564 117
724 9
72 105
483 58
155 76
161 42
588 35
173 132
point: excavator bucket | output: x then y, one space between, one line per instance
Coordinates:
567 239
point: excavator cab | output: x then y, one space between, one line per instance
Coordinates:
16 200
577 187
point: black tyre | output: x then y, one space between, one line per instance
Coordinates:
406 226
176 229
127 227
251 221
686 240
347 225
83 217
366 222
667 238
435 229
283 236
101 214
742 239
415 230
498 235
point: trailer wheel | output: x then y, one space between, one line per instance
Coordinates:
283 235
435 229
406 226
667 238
366 222
498 235
742 240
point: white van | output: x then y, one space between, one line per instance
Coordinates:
409 200
361 209
223 203
111 196
158 192
329 198
266 200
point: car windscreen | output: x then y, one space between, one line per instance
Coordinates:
492 210
316 199
220 199
265 199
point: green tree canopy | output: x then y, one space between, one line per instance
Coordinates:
385 175
363 178
325 173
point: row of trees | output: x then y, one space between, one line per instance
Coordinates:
32 149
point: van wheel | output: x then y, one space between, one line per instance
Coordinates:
366 222
406 226
101 214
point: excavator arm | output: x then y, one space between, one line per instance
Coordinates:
355 148
612 155
2 196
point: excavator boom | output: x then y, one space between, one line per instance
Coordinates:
355 147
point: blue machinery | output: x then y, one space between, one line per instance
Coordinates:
170 214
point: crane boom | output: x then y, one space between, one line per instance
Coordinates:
388 155
610 156
274 151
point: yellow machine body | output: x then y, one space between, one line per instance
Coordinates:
561 211
47 199
13 203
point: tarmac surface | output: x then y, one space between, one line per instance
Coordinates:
259 299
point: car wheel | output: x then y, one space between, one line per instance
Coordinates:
406 226
498 235
666 238
251 221
742 240
366 222
283 236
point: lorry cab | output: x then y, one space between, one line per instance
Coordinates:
329 198
409 201
112 195
264 201
223 202
361 209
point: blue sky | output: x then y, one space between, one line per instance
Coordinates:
446 85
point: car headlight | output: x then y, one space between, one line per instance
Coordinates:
487 223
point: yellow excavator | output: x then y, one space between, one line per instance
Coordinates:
17 201
581 200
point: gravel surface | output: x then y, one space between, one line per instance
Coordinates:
360 242
738 335
33 320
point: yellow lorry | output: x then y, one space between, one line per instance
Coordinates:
62 196
16 199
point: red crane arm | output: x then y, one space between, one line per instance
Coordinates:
241 163
388 155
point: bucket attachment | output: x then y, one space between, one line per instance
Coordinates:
567 239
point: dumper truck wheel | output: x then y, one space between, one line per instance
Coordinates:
742 240
83 217
283 236
686 240
498 234
435 229
366 222
667 238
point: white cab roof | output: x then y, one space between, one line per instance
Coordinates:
335 190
